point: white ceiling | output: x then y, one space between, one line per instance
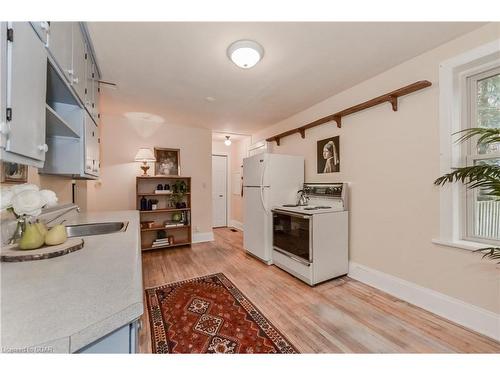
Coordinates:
169 69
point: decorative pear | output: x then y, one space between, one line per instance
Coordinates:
32 238
42 228
56 235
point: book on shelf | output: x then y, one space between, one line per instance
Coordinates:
162 239
160 244
174 224
163 192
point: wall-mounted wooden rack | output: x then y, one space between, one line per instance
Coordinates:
391 97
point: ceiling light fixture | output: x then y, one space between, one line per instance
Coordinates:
245 53
227 142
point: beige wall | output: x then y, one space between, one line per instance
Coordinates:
390 160
120 140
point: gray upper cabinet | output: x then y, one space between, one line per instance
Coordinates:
26 84
48 97
60 45
76 62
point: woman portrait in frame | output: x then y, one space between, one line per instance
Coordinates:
328 157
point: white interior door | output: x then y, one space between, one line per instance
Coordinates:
219 190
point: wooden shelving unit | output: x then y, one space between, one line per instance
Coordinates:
145 187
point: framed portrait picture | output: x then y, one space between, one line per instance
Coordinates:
167 162
14 172
328 157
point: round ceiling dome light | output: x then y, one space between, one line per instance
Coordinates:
245 53
227 142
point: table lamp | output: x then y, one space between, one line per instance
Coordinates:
145 155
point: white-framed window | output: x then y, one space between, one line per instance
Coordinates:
468 97
481 217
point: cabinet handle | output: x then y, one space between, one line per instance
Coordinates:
43 147
4 128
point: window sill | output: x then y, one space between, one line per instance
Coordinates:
461 244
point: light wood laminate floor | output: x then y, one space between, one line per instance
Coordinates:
339 316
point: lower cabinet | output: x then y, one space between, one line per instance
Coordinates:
123 340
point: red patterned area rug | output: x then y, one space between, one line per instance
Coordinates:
209 315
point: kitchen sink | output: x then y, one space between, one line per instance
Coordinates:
92 229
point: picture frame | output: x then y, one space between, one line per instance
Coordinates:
328 155
13 172
167 161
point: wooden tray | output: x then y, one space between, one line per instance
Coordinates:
12 253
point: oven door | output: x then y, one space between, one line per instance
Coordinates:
292 235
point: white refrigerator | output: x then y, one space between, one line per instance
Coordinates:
268 180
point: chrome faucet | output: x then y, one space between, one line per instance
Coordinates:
64 213
303 199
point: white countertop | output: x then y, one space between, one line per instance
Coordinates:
68 302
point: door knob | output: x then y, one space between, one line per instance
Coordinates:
43 147
220 196
75 80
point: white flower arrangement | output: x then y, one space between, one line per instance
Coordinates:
26 200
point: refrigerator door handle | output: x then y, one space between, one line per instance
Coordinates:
262 188
262 200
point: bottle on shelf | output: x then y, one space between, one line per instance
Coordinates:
144 204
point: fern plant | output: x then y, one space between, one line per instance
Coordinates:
484 176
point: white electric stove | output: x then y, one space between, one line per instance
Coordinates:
311 241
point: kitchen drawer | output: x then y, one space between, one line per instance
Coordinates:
292 266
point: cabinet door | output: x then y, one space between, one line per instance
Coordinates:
89 89
96 113
26 88
42 30
97 153
60 45
91 146
79 66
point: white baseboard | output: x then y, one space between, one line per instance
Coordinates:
202 237
460 312
236 224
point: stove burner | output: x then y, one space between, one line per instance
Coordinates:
290 205
315 208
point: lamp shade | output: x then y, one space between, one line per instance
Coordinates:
145 154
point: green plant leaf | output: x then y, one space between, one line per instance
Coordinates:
487 136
